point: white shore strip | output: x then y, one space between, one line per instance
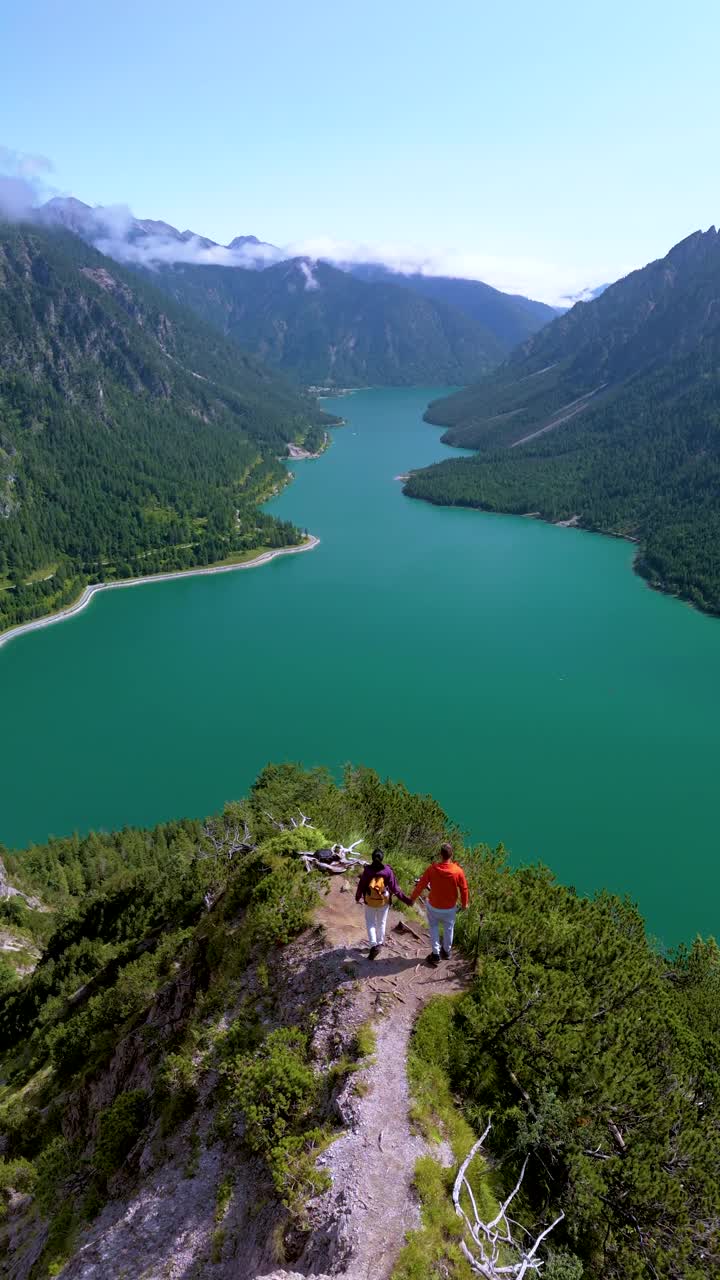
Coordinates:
36 623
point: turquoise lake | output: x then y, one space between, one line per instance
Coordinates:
521 673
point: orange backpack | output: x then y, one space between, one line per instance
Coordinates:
376 895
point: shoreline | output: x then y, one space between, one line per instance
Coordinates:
49 619
297 453
662 588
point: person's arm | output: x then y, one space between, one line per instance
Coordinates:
422 883
362 885
395 890
463 887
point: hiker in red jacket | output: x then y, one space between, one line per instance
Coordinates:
377 887
446 881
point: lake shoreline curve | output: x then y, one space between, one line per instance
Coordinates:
637 565
48 619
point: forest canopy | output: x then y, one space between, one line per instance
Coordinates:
133 438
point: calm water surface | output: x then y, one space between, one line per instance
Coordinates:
519 672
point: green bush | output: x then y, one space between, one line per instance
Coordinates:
562 1265
118 1131
275 1089
8 975
177 1088
295 840
243 882
15 1175
60 1242
293 1166
244 1034
54 1164
281 905
15 911
19 1174
277 1094
22 1127
69 1042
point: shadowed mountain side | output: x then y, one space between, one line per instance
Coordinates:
608 419
324 327
510 317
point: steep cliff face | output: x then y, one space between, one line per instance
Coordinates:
20 944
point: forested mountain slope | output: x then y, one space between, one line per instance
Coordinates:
308 317
610 416
176 1070
133 437
324 327
510 317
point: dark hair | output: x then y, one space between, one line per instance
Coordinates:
446 851
378 855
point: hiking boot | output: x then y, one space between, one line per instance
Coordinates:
433 960
373 952
444 955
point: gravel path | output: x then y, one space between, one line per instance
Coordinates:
371 1204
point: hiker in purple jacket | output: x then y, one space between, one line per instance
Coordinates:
377 887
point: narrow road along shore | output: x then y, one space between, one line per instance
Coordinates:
36 623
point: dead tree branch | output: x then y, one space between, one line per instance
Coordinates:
336 860
495 1255
292 825
226 841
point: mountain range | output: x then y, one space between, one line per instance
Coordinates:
146 241
323 326
609 417
133 437
334 324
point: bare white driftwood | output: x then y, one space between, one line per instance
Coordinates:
496 1255
223 843
226 840
344 859
293 824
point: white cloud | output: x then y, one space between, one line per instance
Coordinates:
310 281
154 250
115 232
17 198
21 186
532 277
21 164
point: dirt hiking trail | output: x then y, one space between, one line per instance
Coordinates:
371 1203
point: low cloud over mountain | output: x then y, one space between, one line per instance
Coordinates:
115 231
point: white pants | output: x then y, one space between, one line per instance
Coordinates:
441 918
375 921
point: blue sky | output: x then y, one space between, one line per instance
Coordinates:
542 146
